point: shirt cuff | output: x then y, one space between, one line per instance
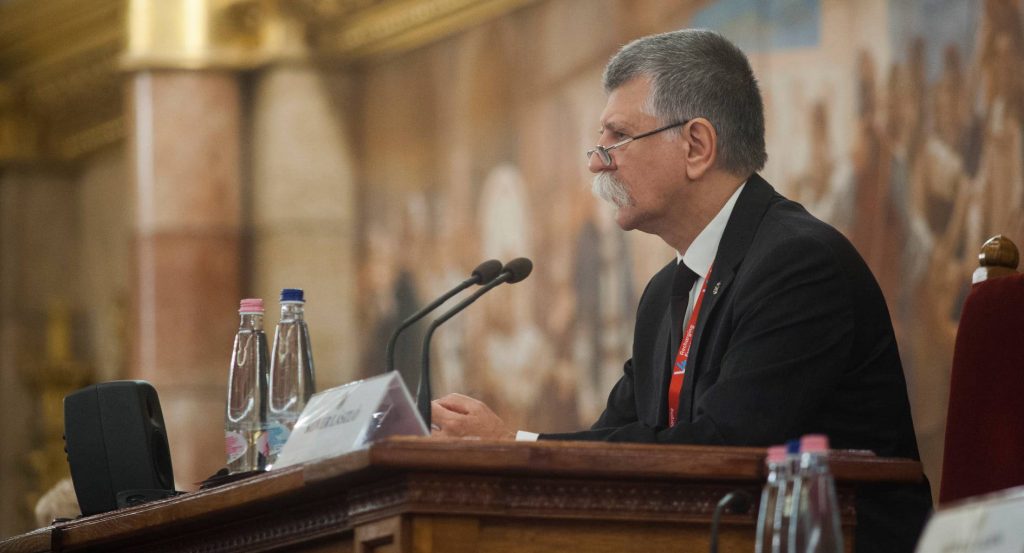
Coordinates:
524 436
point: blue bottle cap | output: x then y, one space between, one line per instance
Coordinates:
793 446
292 294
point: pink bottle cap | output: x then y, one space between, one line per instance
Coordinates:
251 305
814 443
776 454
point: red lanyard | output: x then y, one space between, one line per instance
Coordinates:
675 387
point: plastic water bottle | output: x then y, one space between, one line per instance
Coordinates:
815 521
291 371
769 511
783 522
245 421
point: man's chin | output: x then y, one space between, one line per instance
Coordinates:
624 218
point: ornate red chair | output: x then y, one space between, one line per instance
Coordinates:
984 449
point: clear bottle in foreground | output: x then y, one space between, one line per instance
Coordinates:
769 512
245 419
815 520
292 374
790 470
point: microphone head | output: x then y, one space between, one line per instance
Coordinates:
519 268
487 271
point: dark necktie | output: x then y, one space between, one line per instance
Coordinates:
682 282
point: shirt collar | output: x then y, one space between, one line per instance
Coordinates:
701 253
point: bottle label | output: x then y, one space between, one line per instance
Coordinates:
235 446
263 444
278 433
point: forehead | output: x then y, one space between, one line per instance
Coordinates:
626 103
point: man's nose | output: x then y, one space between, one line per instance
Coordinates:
595 165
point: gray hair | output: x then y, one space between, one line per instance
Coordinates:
699 73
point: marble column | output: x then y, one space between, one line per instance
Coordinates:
184 143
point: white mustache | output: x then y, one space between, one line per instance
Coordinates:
610 189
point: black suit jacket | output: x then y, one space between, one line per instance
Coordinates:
794 337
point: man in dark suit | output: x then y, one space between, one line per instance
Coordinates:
768 325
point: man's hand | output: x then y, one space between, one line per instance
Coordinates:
459 416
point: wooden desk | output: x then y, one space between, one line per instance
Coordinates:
428 495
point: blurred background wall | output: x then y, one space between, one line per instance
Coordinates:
161 159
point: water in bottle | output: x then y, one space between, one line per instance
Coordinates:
291 370
769 512
245 420
815 520
787 477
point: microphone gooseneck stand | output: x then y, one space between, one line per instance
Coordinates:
736 501
514 271
484 272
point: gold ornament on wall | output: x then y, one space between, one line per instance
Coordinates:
49 380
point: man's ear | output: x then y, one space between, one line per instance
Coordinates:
702 138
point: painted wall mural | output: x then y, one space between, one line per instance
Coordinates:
897 122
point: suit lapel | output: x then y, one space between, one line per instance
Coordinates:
739 233
663 370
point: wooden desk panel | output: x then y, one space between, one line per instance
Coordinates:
427 495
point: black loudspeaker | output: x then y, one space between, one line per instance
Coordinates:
117 446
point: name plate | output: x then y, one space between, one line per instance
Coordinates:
990 524
351 417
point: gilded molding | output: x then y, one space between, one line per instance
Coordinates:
395 26
103 134
19 137
58 62
209 34
62 62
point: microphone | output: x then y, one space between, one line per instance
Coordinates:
736 501
513 272
484 272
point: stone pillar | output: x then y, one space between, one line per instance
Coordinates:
186 59
303 216
185 162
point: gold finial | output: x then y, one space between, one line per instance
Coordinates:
998 258
999 251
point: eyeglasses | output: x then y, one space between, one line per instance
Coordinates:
604 152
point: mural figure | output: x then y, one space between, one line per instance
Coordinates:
915 152
825 188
